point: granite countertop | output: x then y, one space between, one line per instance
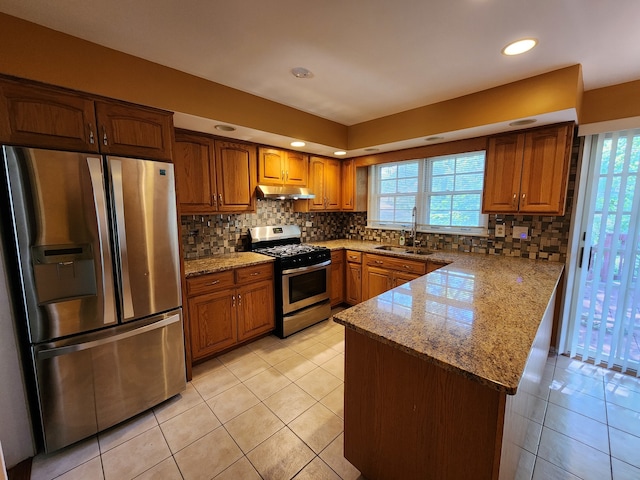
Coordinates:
441 256
224 261
477 316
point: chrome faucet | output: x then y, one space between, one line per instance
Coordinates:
414 227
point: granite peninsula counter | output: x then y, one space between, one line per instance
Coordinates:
441 372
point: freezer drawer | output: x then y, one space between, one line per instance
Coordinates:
104 378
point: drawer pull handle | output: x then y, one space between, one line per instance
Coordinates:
408 267
379 262
212 283
254 274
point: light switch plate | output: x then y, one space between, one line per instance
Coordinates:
521 232
500 230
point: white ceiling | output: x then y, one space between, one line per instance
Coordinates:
369 58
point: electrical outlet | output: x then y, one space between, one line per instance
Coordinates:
500 230
520 232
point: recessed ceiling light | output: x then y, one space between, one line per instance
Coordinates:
340 153
372 149
225 128
520 123
301 72
298 144
520 46
433 139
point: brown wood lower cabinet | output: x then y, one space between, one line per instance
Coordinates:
337 277
411 418
227 308
353 277
381 273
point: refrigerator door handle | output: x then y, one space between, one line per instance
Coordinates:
99 199
77 347
118 200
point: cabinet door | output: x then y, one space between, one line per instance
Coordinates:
376 281
134 131
332 184
212 321
235 174
354 283
41 117
195 174
256 314
502 174
348 184
400 278
271 166
297 169
433 266
545 169
337 277
316 183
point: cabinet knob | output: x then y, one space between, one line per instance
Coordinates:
104 136
220 198
513 201
523 198
214 198
239 299
233 301
91 139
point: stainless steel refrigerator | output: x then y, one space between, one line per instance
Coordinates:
96 286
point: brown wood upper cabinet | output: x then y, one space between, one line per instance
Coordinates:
324 183
214 176
354 186
282 167
134 131
50 117
527 172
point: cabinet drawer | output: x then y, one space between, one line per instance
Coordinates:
254 273
354 257
394 263
209 283
435 265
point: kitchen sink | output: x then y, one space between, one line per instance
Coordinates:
421 252
390 248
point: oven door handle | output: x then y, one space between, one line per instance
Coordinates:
304 269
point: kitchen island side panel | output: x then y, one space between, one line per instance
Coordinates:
408 418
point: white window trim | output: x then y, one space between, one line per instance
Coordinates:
480 231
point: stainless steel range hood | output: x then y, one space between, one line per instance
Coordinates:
284 193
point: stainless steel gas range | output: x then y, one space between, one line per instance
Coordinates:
303 277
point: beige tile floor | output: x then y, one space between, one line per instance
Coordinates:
274 410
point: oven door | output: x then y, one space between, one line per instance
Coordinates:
305 286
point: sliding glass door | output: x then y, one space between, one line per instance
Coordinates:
605 312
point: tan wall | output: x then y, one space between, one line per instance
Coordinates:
550 92
611 103
35 52
31 51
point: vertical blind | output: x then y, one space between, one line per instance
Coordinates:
607 329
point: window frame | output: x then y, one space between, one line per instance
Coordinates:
423 196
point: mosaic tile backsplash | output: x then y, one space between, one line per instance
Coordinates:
206 235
